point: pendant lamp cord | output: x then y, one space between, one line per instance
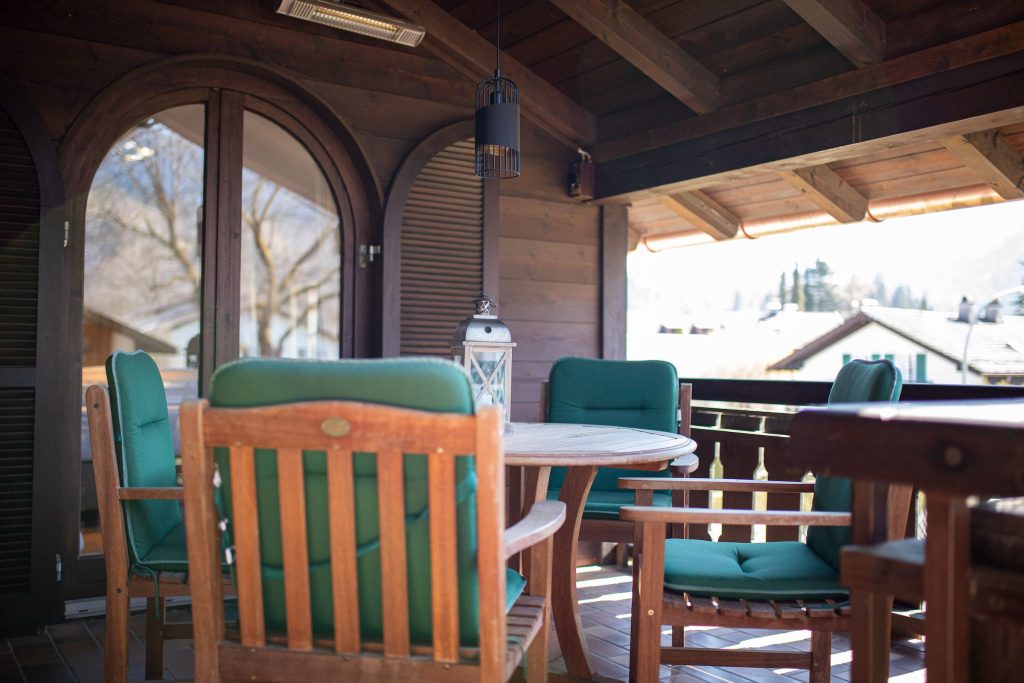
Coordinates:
497 39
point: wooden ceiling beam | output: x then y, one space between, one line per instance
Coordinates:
990 45
849 25
992 159
829 191
703 213
467 51
643 45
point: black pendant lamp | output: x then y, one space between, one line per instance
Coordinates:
497 121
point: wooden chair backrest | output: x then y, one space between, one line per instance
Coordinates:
340 428
104 464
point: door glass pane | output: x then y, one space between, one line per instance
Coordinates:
291 249
142 266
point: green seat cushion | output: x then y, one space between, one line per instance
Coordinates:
606 504
781 570
620 393
145 447
169 554
423 384
858 381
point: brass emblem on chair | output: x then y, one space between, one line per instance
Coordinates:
335 426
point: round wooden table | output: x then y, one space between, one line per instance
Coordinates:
581 448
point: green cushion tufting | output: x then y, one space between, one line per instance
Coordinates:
620 393
145 454
422 384
782 570
859 381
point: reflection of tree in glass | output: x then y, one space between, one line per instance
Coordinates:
296 268
142 260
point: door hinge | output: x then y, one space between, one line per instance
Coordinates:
368 253
60 569
67 233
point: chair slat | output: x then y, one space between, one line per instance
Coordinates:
490 515
732 608
344 574
294 548
702 605
444 583
394 576
760 609
790 610
246 535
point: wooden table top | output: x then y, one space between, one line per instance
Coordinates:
967 447
572 444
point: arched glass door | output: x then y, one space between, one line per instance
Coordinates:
212 232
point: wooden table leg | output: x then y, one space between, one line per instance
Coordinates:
871 612
564 604
535 488
946 564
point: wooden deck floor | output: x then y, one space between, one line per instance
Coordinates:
73 651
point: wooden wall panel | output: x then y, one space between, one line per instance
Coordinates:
550 260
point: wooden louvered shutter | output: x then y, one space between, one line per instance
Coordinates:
442 251
20 211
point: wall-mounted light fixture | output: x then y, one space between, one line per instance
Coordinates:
355 19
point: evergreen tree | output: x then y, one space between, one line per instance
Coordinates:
880 294
1020 298
810 291
798 290
901 298
924 303
818 290
782 289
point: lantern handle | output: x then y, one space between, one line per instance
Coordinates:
484 304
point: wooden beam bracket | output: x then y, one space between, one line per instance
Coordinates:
992 159
704 213
829 191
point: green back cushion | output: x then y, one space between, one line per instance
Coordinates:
422 384
145 448
642 393
858 381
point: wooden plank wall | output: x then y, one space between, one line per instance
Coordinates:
63 52
550 264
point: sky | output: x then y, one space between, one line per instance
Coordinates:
970 252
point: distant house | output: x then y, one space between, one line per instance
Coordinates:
103 335
927 346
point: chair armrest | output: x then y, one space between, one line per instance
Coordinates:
684 464
543 520
149 493
701 484
643 513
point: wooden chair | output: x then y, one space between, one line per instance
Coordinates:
644 394
354 558
775 585
139 505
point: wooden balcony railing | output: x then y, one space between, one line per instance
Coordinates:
742 428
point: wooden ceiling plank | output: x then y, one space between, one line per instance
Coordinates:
992 159
644 46
471 54
829 191
849 25
704 213
989 45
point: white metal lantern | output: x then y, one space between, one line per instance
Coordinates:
483 345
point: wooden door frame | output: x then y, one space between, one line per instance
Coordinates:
394 212
43 603
206 79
